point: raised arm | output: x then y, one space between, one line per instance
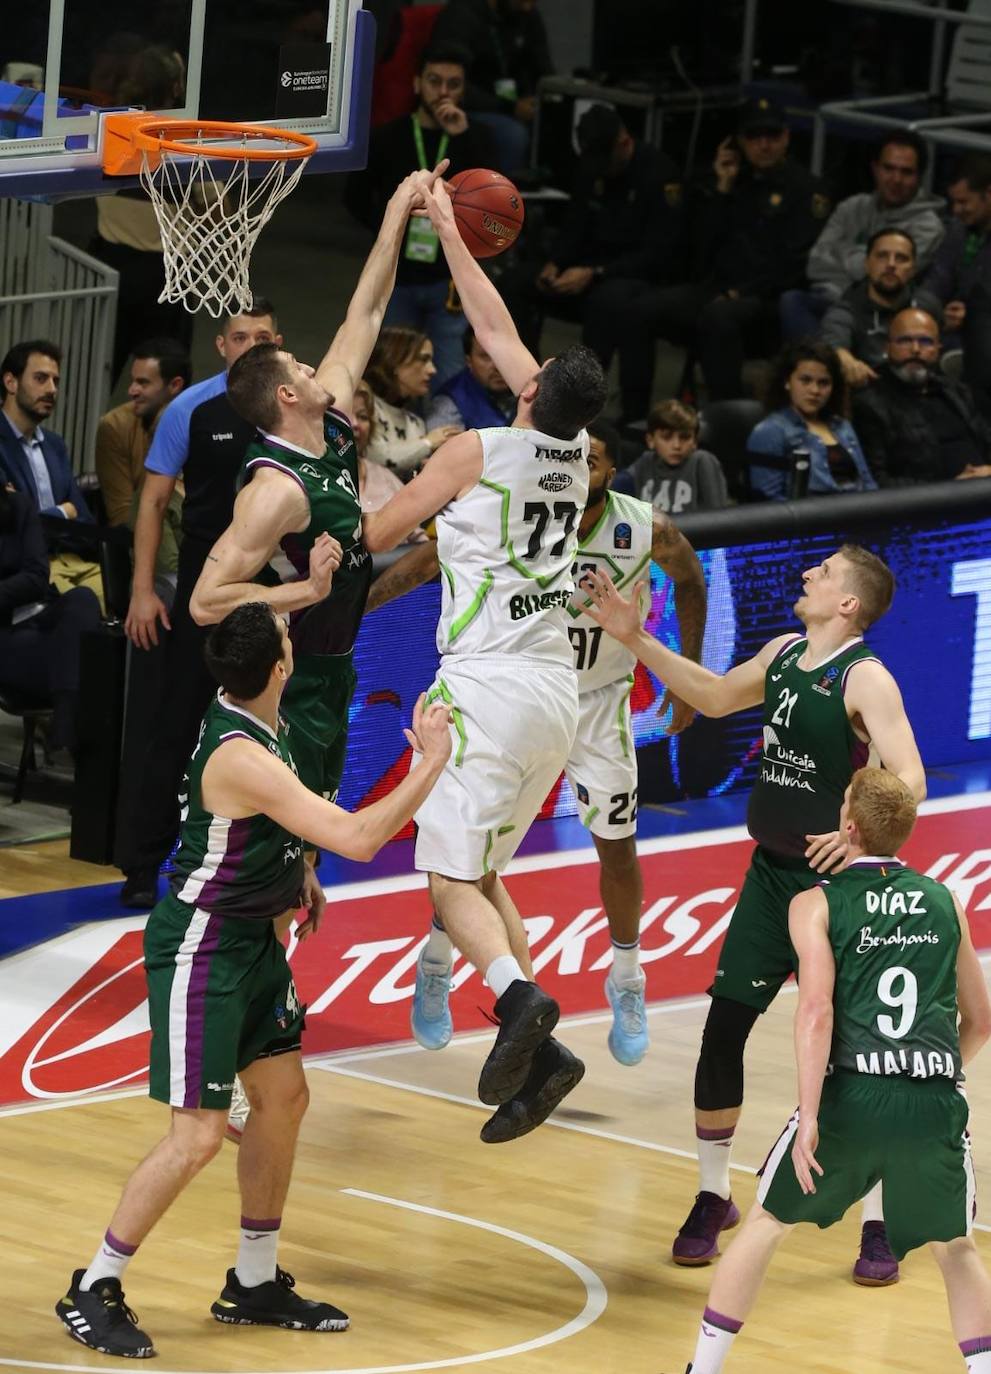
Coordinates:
484 307
808 926
269 507
705 691
454 468
243 779
873 695
347 357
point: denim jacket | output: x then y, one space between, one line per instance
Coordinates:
781 433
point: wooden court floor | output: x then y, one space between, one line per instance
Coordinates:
550 1253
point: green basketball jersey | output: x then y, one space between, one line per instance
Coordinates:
330 484
895 937
252 867
810 751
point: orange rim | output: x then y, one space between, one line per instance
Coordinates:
169 135
128 136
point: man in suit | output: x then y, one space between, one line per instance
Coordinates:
36 461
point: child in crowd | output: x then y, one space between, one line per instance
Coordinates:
674 474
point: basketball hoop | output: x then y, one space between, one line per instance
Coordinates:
209 221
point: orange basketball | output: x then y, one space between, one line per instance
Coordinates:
488 209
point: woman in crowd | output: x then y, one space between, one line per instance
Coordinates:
376 484
806 403
399 372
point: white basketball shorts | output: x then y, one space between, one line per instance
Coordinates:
514 722
602 766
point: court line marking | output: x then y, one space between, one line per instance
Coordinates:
596 1299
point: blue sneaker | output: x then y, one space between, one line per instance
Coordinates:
629 1037
430 1017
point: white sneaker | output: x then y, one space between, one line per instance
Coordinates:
629 1038
238 1114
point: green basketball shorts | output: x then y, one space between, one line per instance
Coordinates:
757 955
315 707
220 996
910 1134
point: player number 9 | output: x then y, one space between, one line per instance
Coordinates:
906 999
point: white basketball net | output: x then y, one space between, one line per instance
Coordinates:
209 226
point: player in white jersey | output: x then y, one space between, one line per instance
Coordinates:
508 504
619 536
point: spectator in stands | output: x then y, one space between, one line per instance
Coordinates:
40 629
424 297
838 258
202 437
160 369
960 277
36 461
806 400
508 54
674 474
399 372
376 484
623 233
751 230
917 424
857 324
476 397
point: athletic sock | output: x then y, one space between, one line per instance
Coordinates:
714 1148
625 963
871 1209
109 1262
716 1334
501 972
438 948
256 1253
977 1354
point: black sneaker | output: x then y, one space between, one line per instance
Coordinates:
140 889
275 1304
555 1071
527 1016
101 1319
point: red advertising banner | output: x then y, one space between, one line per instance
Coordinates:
73 1017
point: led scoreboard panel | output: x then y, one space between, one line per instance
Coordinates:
936 640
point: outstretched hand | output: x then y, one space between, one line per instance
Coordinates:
430 734
415 190
618 616
437 204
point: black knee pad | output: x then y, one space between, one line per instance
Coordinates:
719 1074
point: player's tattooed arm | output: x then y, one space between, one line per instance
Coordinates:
420 565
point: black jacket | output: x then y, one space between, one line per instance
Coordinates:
896 433
23 555
631 225
504 44
755 238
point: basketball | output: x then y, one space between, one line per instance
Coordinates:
488 209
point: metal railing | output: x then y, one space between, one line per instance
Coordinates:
50 289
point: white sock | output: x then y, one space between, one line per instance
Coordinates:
109 1262
714 1149
871 1206
256 1253
438 949
977 1355
625 964
716 1334
501 972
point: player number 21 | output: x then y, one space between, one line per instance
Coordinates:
540 512
898 987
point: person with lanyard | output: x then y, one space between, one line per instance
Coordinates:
438 128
